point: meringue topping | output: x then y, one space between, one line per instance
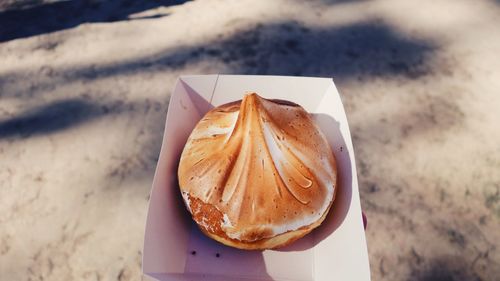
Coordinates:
262 163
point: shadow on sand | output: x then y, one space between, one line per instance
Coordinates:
54 16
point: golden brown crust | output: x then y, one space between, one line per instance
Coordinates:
213 230
257 173
206 216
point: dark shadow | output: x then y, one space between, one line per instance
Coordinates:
449 268
50 17
70 113
359 51
49 118
65 114
290 48
353 51
331 128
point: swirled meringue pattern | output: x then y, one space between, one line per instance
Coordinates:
255 169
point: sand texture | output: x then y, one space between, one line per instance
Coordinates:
85 85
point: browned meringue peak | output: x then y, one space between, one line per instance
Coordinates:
264 164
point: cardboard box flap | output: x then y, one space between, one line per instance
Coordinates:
167 217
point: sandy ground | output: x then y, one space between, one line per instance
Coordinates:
84 88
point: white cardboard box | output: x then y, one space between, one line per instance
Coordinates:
335 251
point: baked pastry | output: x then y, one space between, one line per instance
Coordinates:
257 173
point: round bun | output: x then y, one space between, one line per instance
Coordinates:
257 173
